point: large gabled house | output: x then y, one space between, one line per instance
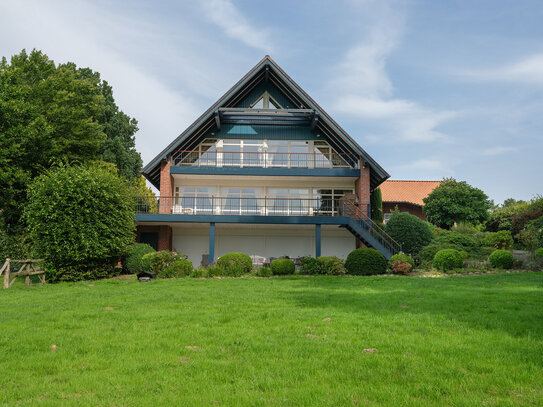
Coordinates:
264 171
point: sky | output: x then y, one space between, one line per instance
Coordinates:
430 89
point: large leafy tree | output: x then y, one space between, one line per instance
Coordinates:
46 113
120 129
454 202
51 113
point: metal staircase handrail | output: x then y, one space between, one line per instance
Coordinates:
354 211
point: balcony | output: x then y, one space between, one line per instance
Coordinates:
239 206
259 159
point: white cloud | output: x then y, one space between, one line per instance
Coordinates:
528 70
225 15
498 150
364 89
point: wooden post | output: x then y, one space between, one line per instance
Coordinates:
6 275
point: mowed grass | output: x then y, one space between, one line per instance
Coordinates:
462 341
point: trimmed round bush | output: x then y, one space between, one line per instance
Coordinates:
281 267
448 259
502 259
236 259
539 253
401 263
409 231
132 262
365 261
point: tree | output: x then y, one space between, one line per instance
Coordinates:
51 113
501 217
81 219
46 113
120 146
376 201
409 231
454 202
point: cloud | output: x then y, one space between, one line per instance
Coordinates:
528 70
225 15
365 90
498 150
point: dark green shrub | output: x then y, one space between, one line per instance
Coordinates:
365 261
539 253
409 231
331 265
448 259
80 217
502 259
158 262
498 240
90 271
200 272
239 259
176 269
537 227
428 253
401 263
264 272
463 241
132 262
309 265
281 267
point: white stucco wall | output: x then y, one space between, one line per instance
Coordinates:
262 240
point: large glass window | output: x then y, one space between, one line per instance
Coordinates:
240 201
327 202
193 200
288 201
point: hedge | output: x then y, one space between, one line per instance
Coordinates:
236 259
280 267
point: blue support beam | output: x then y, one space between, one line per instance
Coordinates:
318 240
211 242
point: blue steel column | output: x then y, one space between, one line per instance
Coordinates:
211 242
318 240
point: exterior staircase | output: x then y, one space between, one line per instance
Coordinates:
364 229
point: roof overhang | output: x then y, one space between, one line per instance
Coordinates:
309 113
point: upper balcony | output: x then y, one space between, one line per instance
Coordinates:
265 157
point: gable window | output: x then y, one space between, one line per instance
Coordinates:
265 101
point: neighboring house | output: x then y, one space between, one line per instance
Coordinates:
264 171
406 195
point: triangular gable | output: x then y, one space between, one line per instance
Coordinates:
267 76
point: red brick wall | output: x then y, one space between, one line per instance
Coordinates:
362 189
164 235
166 188
404 207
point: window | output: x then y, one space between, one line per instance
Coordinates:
288 201
191 200
265 101
240 201
328 201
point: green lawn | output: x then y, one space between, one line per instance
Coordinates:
462 341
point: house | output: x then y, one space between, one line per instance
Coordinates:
407 196
264 171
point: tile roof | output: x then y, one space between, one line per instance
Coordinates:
407 191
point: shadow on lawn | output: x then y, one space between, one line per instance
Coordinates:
510 303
